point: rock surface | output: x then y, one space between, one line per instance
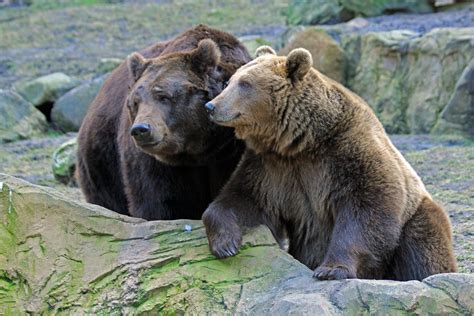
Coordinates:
328 56
46 89
69 111
458 115
19 118
62 256
331 11
64 162
252 42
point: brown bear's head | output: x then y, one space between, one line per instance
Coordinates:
166 101
259 101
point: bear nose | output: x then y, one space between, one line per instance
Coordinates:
140 131
209 108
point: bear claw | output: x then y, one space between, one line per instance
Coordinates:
225 245
333 273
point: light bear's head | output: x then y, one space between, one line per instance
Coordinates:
256 101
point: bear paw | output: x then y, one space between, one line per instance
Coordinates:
333 273
225 244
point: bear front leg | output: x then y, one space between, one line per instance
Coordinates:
224 219
360 245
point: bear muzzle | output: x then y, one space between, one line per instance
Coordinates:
219 115
144 135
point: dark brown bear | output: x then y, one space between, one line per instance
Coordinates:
146 146
320 169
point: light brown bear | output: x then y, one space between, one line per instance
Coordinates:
320 169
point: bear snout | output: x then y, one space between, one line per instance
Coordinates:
210 108
141 132
143 135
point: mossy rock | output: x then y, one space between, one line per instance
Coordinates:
46 89
64 162
434 63
252 42
312 12
19 118
406 77
458 115
328 55
61 256
69 111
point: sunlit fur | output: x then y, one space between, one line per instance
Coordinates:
320 169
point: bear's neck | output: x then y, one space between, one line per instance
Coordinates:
309 115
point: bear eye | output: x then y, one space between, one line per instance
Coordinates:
160 95
163 98
244 84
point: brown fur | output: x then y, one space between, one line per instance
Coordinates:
320 169
181 165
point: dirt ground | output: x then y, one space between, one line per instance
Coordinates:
446 165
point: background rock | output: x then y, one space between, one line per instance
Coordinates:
252 42
335 11
458 115
379 7
60 255
311 12
379 75
435 61
328 56
19 118
407 77
64 162
69 111
46 88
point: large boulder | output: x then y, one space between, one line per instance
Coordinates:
434 63
19 118
58 255
311 12
252 42
405 76
64 162
379 75
314 12
379 7
69 111
328 55
458 115
46 89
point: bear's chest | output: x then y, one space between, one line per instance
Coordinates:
297 204
297 191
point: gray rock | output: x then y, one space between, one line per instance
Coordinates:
408 78
19 118
329 11
252 42
328 55
69 111
458 115
64 162
59 255
46 89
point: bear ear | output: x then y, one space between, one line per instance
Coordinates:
206 56
137 65
298 63
264 50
